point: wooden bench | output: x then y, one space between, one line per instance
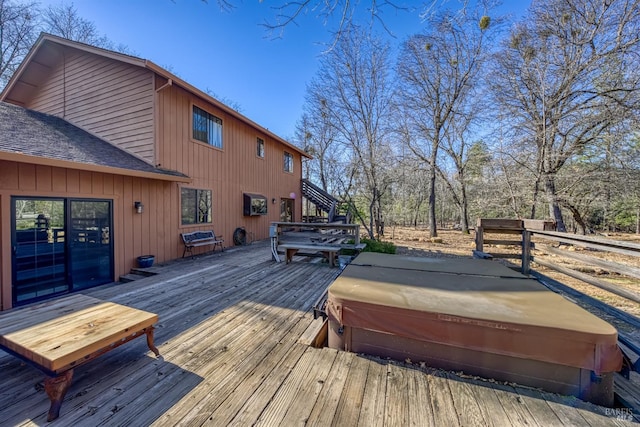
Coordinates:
329 252
61 334
200 238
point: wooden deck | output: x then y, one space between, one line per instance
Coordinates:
232 332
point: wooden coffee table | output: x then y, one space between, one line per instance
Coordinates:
61 334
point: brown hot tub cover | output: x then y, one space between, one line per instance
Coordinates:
471 304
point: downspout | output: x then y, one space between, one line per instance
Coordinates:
64 84
157 121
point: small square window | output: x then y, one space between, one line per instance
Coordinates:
288 162
260 148
254 204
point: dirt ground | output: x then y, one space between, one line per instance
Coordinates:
450 243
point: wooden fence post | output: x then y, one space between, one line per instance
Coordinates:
526 251
479 238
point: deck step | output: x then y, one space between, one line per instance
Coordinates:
149 271
131 277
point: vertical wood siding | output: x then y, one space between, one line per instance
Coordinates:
133 234
230 172
109 98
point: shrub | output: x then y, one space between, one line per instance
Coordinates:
378 246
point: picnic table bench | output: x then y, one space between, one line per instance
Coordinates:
329 252
61 334
200 238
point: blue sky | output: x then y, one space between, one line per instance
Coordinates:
229 53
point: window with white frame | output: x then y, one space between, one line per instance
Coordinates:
288 162
207 127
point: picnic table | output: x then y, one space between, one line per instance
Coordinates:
329 241
61 334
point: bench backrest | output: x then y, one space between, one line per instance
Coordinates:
197 236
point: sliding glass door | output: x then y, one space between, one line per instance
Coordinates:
89 243
59 245
39 258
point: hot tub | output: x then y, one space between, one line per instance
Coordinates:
472 315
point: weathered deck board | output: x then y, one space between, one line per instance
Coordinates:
397 402
444 410
298 413
263 394
348 409
469 413
492 410
229 332
323 412
284 350
276 409
514 406
420 411
539 408
567 414
373 407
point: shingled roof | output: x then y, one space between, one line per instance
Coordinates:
31 134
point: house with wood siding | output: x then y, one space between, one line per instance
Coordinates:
105 157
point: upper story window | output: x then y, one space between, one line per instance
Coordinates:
288 162
207 127
260 147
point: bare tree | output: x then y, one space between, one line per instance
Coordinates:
438 70
340 15
456 145
318 136
353 90
340 12
18 30
21 22
565 76
64 20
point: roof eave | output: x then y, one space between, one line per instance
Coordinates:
44 161
44 37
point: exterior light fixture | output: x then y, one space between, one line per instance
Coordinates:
273 200
139 207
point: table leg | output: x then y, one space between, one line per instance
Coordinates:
332 259
289 255
152 347
56 388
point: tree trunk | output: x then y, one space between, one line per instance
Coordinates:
581 224
554 207
536 189
371 229
464 211
433 228
417 212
